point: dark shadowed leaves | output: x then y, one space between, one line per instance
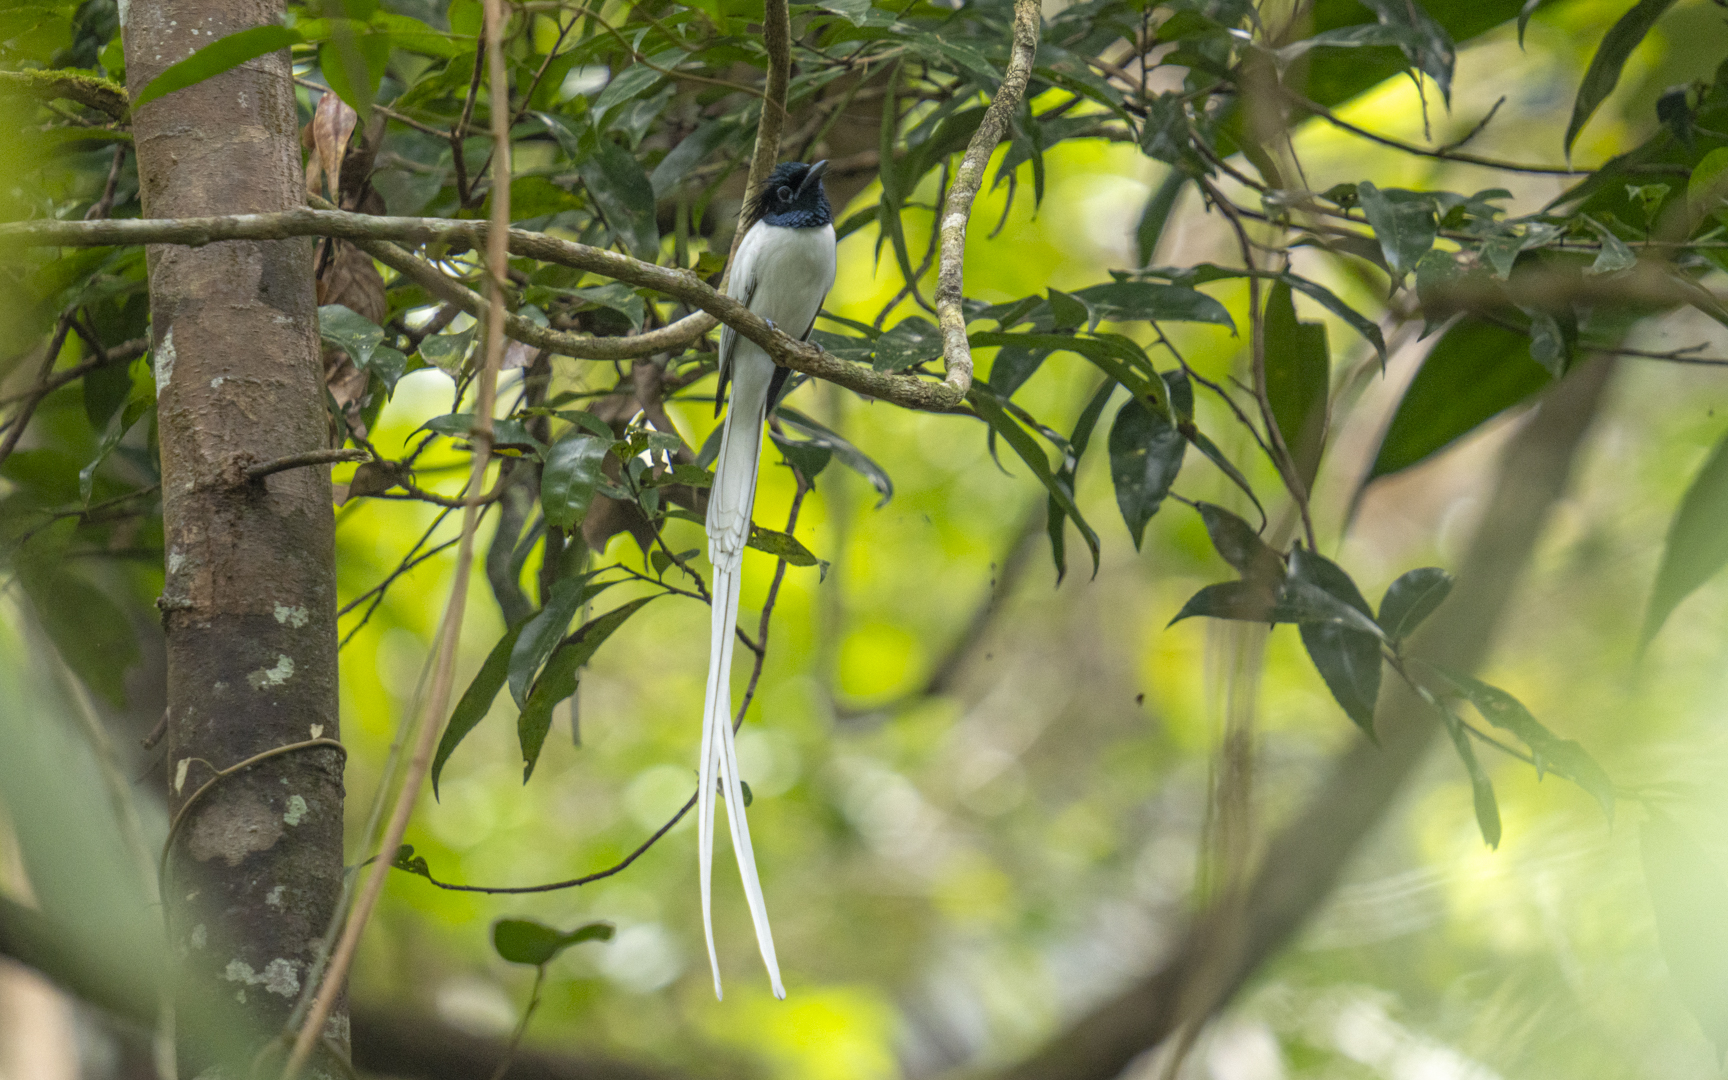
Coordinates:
1403 222
570 476
1425 43
844 452
1475 372
524 941
1128 301
1688 895
476 702
1033 455
1239 545
1055 519
1298 379
1348 659
87 628
1145 456
1156 214
1610 58
1552 753
912 340
1411 599
1697 541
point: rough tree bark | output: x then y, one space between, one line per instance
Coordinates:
249 605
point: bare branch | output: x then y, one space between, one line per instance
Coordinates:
366 230
956 350
299 461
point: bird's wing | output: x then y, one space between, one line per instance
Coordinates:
740 286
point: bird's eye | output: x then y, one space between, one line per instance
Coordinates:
785 194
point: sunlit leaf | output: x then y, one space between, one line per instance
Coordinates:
570 476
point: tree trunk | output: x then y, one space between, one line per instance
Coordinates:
249 603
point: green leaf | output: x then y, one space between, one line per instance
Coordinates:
1403 223
844 452
1145 456
446 352
1368 328
807 457
1066 311
1239 601
1298 381
1411 599
505 432
117 429
476 702
541 635
781 545
1156 214
1216 456
1424 42
215 58
1475 372
1032 454
1481 788
1707 187
1130 301
1561 756
567 482
1116 356
558 680
614 178
1688 895
1615 255
912 340
1348 660
524 941
353 64
1610 58
1697 544
1055 520
1239 545
351 332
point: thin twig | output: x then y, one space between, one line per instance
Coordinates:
1444 153
950 285
300 461
21 419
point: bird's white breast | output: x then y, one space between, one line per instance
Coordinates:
786 272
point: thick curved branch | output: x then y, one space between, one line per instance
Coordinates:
88 90
1303 863
956 350
367 229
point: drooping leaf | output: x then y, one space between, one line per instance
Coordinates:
569 477
844 452
1688 895
1348 660
541 634
1411 599
1320 294
1697 545
524 941
780 545
614 178
476 702
1298 381
808 458
1239 545
1552 753
558 680
1481 787
1615 255
1156 215
351 332
1424 41
1403 223
1475 372
215 58
1610 58
1145 456
1240 601
1055 521
1013 366
1216 456
1033 455
505 433
135 410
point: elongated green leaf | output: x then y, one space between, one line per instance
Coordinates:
1156 214
1348 660
135 410
1239 545
844 452
1130 301
912 340
1298 381
1240 601
1688 895
1145 456
476 702
1033 455
1403 223
1368 328
1114 355
541 634
558 680
215 58
1055 520
1424 42
1481 787
1552 753
567 482
351 332
524 941
1697 541
512 433
1216 456
1411 599
1475 372
1610 58
780 545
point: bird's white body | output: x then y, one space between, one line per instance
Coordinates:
782 274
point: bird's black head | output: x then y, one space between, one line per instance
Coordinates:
792 197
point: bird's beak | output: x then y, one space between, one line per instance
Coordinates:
813 177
